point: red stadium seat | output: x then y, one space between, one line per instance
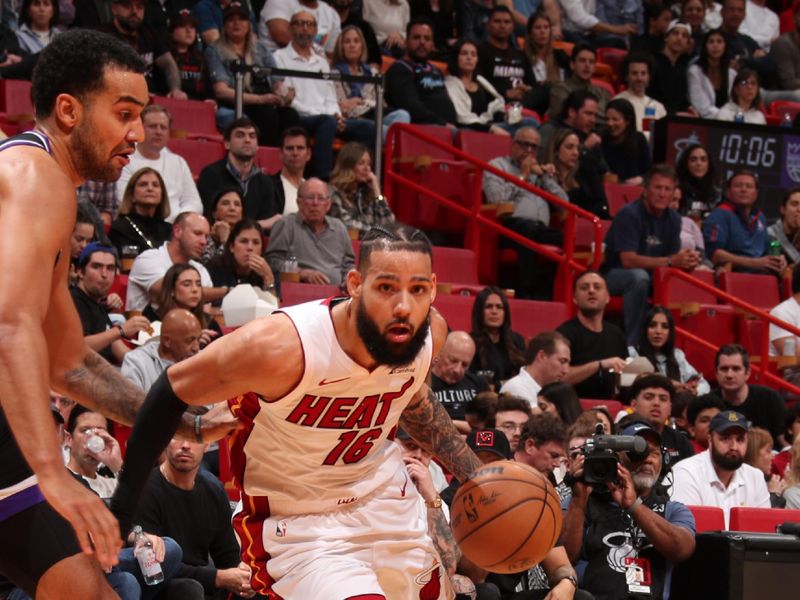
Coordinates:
410 146
15 98
708 518
456 309
673 292
531 317
584 233
763 520
120 287
713 324
485 146
268 159
455 180
612 406
759 290
779 108
620 194
455 266
297 293
197 153
194 119
613 57
602 83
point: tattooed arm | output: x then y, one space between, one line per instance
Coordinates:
442 536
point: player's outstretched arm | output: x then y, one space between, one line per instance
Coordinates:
426 420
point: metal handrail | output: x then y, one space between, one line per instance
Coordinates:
475 219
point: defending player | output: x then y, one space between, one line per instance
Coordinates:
328 510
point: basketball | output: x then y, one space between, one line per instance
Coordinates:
506 518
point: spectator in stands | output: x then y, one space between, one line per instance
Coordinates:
127 25
787 228
697 181
720 477
388 20
698 416
97 267
357 199
644 235
547 360
651 401
83 234
500 350
635 524
560 399
745 103
501 63
590 418
319 243
152 152
637 70
209 19
657 345
621 13
668 83
185 49
713 18
760 23
182 288
174 501
625 149
762 406
275 29
740 45
782 342
350 15
582 65
85 463
38 20
759 455
598 347
417 86
549 65
102 195
316 100
238 169
531 216
657 17
736 231
792 491
710 78
142 220
224 213
179 339
791 430
581 25
785 53
358 100
189 239
243 260
511 416
266 101
694 13
542 445
453 384
478 104
295 154
480 411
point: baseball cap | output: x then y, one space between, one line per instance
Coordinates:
182 18
727 419
235 8
678 24
643 430
489 440
90 249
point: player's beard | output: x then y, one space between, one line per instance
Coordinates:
85 152
381 349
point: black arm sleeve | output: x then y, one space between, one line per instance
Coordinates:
155 426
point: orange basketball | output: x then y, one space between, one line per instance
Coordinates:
506 518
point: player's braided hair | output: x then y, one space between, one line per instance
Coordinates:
392 237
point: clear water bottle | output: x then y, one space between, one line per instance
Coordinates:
786 120
144 553
738 117
290 265
94 443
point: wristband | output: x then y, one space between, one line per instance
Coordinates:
198 434
638 502
121 331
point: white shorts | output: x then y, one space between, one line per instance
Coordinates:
376 548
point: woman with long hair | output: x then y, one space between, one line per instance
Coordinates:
38 20
625 149
657 345
759 456
710 77
225 212
242 260
141 222
560 398
181 288
266 102
500 352
356 197
694 13
548 64
745 103
563 153
697 181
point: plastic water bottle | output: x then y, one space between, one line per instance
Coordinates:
786 120
290 265
649 117
738 117
94 443
144 553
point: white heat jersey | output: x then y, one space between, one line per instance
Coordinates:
324 444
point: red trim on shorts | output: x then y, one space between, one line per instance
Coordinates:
245 408
249 526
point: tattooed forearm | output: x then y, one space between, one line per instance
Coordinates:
99 386
425 420
443 539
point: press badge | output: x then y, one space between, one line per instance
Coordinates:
637 576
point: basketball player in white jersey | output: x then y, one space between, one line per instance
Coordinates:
328 509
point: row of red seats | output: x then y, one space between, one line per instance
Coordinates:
762 520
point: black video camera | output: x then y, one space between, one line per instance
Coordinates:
600 450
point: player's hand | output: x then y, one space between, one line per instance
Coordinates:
563 590
218 422
313 276
95 527
421 477
236 580
622 490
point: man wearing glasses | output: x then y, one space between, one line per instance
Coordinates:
531 216
319 243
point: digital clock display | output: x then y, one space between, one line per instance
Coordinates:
773 153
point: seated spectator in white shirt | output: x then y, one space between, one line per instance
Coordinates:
547 360
719 476
710 77
760 23
636 71
782 342
745 103
152 152
274 29
389 20
82 424
578 22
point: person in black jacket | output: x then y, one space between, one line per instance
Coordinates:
239 169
